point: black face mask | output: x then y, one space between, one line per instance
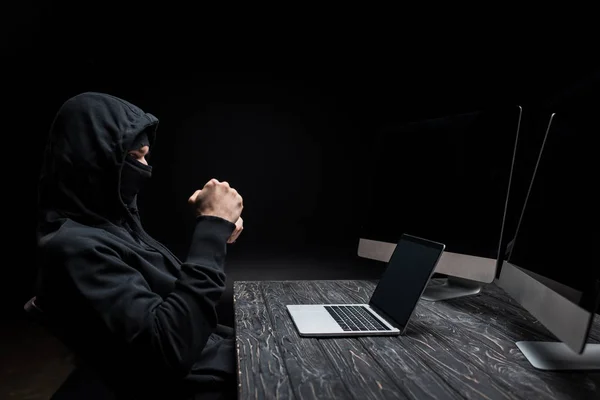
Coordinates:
133 176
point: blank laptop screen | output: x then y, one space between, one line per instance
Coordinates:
405 278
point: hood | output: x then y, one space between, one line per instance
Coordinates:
84 155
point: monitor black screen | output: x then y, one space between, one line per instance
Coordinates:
556 237
445 179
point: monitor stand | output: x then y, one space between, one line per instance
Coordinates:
557 356
451 289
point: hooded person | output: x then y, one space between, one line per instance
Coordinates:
142 319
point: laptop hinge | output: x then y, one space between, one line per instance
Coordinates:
387 318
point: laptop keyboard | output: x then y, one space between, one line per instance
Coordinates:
355 318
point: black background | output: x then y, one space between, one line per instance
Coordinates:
288 116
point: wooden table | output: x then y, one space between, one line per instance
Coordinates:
456 349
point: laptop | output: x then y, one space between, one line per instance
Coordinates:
392 303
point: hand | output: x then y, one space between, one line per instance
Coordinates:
217 199
239 227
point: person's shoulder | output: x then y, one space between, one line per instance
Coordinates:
73 238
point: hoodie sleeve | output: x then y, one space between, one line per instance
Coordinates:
169 332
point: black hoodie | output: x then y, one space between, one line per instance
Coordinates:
122 301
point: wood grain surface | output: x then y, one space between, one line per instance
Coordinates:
455 349
312 374
261 370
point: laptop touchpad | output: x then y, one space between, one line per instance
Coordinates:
315 319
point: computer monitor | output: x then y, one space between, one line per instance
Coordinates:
445 179
551 267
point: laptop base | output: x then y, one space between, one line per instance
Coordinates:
313 320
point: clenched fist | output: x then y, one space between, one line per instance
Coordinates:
219 200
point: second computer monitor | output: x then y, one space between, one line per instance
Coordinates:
551 268
444 178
